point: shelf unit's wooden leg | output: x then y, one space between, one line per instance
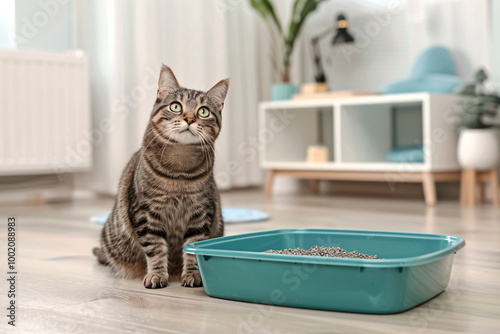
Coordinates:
429 185
269 181
468 187
482 192
315 186
494 186
463 187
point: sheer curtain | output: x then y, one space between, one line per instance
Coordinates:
203 42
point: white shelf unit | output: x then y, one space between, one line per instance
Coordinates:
359 131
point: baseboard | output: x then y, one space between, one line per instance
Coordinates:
36 189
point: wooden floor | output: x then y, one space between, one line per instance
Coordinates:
61 288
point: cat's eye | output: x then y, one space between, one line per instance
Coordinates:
203 112
175 107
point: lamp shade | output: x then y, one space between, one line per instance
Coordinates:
342 36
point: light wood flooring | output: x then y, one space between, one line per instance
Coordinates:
62 289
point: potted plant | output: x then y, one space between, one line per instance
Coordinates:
284 41
478 146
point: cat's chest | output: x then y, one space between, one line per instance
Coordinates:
176 209
177 214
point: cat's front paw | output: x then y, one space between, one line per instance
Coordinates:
191 280
155 281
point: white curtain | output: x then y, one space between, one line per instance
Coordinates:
203 42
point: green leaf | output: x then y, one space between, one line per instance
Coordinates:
467 90
258 6
481 76
491 98
266 9
301 9
488 109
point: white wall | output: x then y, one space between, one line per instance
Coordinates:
44 24
37 24
380 55
495 42
390 35
461 26
7 23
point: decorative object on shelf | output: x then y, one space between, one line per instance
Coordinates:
433 71
339 94
311 88
284 48
317 153
282 91
406 154
478 146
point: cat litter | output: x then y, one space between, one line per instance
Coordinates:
324 252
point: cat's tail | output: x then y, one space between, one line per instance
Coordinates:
100 255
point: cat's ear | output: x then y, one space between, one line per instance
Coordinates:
167 82
218 93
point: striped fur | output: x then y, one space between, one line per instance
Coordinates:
167 195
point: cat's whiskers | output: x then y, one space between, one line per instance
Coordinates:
205 153
212 144
209 143
215 146
204 139
170 136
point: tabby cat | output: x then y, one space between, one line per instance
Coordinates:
167 195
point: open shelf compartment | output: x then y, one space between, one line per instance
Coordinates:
289 133
370 131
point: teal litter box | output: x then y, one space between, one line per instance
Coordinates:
415 268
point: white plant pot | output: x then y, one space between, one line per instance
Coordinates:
478 148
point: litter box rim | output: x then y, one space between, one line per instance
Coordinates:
455 244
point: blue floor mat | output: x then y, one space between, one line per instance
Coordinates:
230 216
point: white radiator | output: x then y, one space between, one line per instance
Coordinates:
44 113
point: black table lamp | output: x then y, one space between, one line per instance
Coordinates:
342 36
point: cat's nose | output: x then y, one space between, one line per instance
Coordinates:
189 118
